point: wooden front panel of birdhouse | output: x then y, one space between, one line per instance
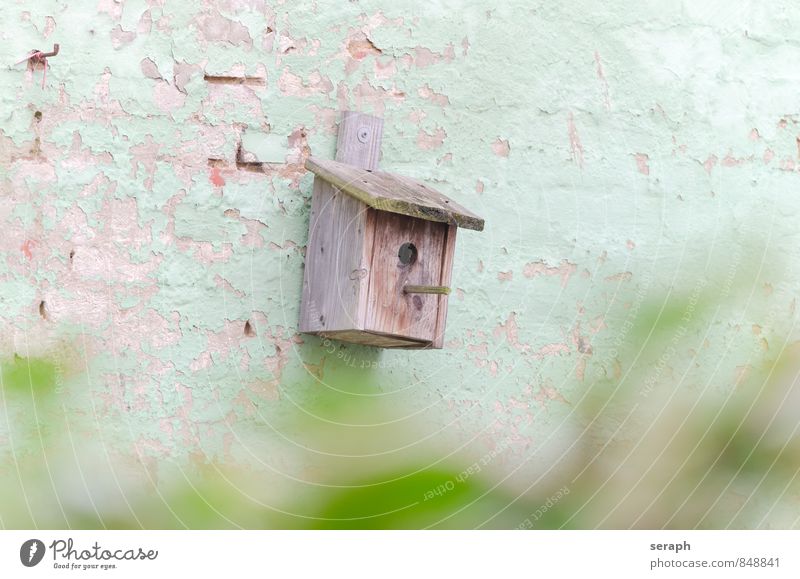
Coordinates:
407 251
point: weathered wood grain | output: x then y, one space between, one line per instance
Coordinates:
390 309
339 250
395 194
356 288
448 254
338 254
359 140
373 339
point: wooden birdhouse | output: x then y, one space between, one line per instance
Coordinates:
380 248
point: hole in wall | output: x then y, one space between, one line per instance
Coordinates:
407 254
248 329
252 166
42 310
243 80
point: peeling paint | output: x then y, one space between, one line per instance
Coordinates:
140 222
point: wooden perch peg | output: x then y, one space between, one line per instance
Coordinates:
427 289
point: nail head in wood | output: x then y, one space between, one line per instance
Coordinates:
359 140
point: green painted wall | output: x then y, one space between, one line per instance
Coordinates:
636 164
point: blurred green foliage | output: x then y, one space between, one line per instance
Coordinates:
659 438
28 375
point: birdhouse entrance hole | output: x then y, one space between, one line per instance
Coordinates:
407 253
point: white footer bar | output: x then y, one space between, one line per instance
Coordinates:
415 554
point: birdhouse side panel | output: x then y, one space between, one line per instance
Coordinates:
446 280
336 275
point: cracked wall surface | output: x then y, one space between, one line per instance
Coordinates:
154 206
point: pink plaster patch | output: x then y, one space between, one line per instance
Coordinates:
552 350
731 161
501 147
202 362
539 268
113 9
293 85
574 141
481 349
360 47
367 95
710 163
384 70
547 393
511 331
583 344
580 369
424 57
146 155
120 37
49 26
431 95
215 177
601 75
214 27
622 276
224 284
26 248
427 142
642 163
168 98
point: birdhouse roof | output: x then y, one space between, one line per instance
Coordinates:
394 193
